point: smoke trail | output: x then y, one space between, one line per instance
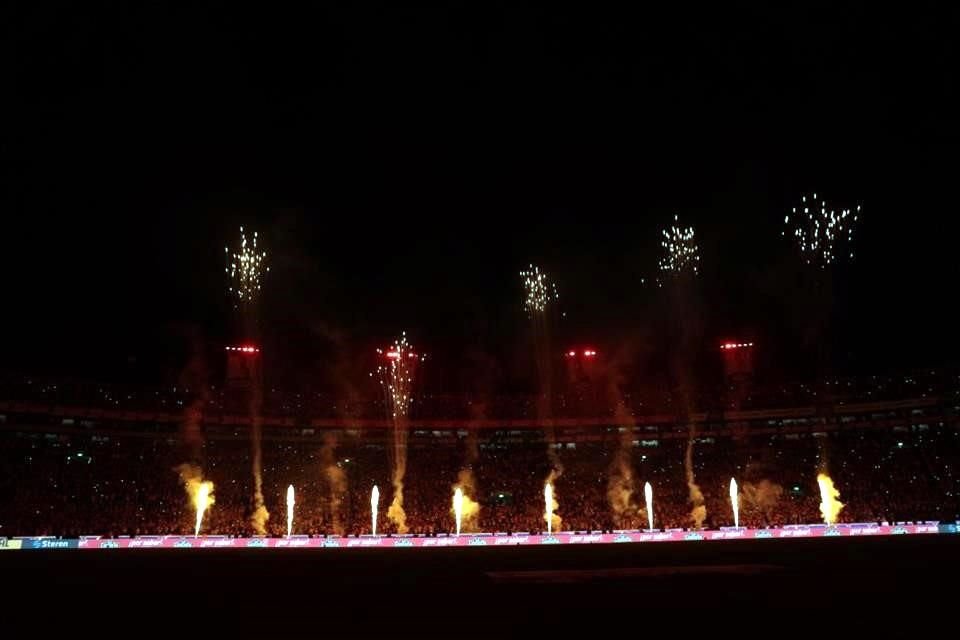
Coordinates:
395 512
699 512
620 483
260 515
336 481
762 498
194 378
620 479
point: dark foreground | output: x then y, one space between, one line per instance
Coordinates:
895 586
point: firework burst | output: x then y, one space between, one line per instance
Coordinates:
245 267
539 290
396 376
820 230
681 252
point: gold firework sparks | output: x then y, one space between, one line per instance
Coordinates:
819 230
397 375
245 268
539 290
681 254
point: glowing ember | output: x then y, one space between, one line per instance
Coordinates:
829 505
735 502
374 501
648 494
290 503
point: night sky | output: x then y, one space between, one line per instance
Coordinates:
402 165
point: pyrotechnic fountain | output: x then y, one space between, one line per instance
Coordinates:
458 507
397 378
200 492
374 502
735 502
829 505
648 495
245 268
550 506
203 499
290 503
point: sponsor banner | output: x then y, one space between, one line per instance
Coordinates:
48 543
477 540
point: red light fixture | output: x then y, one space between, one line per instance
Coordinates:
244 349
736 345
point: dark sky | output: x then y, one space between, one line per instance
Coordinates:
403 164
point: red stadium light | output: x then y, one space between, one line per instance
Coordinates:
571 354
589 353
244 349
736 345
393 355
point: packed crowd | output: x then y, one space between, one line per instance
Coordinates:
76 485
572 400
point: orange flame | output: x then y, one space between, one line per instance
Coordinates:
829 505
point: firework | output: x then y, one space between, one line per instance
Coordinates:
550 504
829 505
245 267
819 230
374 503
648 498
735 502
396 377
681 252
290 503
200 492
458 507
539 290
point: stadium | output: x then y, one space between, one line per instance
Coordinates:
481 320
92 469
